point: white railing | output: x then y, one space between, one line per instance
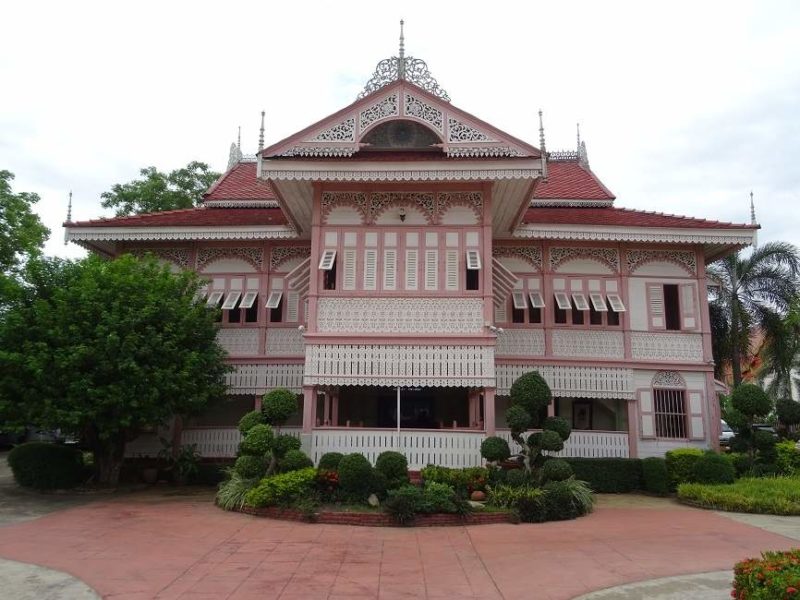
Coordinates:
444 448
587 444
220 442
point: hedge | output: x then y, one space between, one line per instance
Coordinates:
655 478
46 466
770 496
608 475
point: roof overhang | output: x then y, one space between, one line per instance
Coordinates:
512 181
716 242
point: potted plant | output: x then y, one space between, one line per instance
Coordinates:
186 464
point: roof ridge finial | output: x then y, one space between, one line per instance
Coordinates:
239 138
578 127
542 146
401 60
69 216
752 209
261 133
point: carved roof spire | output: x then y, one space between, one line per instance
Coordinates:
69 216
753 219
239 138
578 147
401 63
542 146
261 133
583 155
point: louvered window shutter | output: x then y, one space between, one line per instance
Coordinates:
655 300
431 269
646 412
696 426
390 269
292 306
501 313
689 313
411 270
451 270
349 276
370 269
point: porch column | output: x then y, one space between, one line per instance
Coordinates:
488 410
551 408
633 429
309 409
474 408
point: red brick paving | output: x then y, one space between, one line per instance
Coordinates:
134 548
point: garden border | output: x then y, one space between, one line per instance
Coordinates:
376 519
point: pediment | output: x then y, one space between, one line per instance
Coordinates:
460 134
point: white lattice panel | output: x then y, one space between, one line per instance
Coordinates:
667 346
588 344
520 342
239 341
385 365
257 379
284 341
573 382
399 315
220 442
586 444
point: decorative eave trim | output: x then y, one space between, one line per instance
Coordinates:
638 234
79 234
241 204
548 203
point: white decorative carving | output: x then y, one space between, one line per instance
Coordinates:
284 341
239 341
669 379
413 69
388 107
179 256
324 151
481 151
343 132
414 107
520 342
685 347
573 381
240 203
660 235
606 256
473 200
397 365
400 315
362 173
257 379
380 201
254 256
357 200
281 254
530 254
535 203
563 155
590 344
461 132
80 234
682 258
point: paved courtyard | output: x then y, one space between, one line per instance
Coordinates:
174 544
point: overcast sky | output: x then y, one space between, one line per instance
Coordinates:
685 106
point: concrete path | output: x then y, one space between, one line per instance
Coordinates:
30 582
703 586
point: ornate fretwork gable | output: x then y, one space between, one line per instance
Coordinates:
458 131
606 256
669 379
408 68
473 200
343 132
357 200
380 201
683 258
371 206
424 111
252 255
178 256
281 254
383 109
530 254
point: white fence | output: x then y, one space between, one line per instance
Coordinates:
587 444
220 442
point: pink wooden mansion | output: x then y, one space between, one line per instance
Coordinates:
402 251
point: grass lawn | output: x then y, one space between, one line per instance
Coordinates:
768 495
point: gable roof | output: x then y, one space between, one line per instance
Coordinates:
570 180
240 183
620 217
193 217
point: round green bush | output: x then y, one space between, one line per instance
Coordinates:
249 467
680 463
518 419
788 411
495 449
46 466
530 505
283 443
355 477
278 405
558 424
551 441
556 469
403 503
294 460
330 461
250 420
751 400
516 477
380 484
394 466
655 477
713 468
567 499
258 441
531 392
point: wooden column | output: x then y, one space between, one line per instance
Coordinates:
488 410
309 408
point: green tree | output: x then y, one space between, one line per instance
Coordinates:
780 355
22 234
752 290
123 345
157 191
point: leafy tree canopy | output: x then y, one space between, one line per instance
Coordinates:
157 191
120 346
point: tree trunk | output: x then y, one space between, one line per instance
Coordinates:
108 456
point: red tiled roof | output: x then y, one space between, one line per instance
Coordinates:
569 180
240 183
194 217
619 217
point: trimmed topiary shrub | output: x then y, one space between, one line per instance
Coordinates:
558 424
250 420
438 497
283 489
283 444
394 467
495 449
655 477
517 478
608 475
712 468
567 499
403 503
751 400
250 467
550 441
680 464
787 458
556 469
355 477
258 441
278 405
294 461
330 461
531 393
46 466
788 411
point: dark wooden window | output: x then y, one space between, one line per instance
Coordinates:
276 314
329 278
672 307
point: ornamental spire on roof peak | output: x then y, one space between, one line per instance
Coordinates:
69 216
753 219
405 68
261 133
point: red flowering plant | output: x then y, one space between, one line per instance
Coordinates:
776 575
328 484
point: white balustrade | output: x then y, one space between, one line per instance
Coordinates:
586 444
220 442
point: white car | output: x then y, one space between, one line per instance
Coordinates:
726 433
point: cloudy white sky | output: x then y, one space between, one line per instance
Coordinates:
685 106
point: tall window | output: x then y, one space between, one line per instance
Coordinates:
672 307
670 413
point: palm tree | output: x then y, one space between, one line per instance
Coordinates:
754 291
780 355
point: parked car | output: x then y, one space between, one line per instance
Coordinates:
726 433
766 427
